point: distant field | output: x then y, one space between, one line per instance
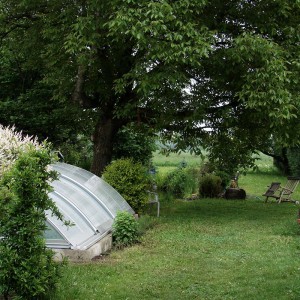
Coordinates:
264 162
174 160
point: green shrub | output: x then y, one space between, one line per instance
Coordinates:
175 182
27 269
180 181
131 180
210 186
225 178
125 229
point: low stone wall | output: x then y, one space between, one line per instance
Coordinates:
103 246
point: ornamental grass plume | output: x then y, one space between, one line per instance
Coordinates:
12 143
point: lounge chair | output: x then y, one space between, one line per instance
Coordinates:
282 194
273 188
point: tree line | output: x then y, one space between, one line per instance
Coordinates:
223 75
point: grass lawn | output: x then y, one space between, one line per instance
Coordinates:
202 249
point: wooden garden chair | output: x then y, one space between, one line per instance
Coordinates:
273 188
283 194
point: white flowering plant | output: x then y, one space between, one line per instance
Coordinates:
12 143
27 268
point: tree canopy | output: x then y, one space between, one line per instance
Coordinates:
221 74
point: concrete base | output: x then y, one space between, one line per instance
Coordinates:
104 245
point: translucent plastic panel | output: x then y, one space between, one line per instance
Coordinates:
51 233
108 195
104 192
80 231
85 200
89 206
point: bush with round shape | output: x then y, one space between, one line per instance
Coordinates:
179 182
210 186
175 182
131 180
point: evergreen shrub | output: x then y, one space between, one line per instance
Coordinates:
131 180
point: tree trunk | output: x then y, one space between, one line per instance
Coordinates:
281 161
103 139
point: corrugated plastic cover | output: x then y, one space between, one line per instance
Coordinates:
87 201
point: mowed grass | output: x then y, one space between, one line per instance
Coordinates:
202 249
256 184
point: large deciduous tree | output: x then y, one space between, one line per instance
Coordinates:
221 73
28 103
